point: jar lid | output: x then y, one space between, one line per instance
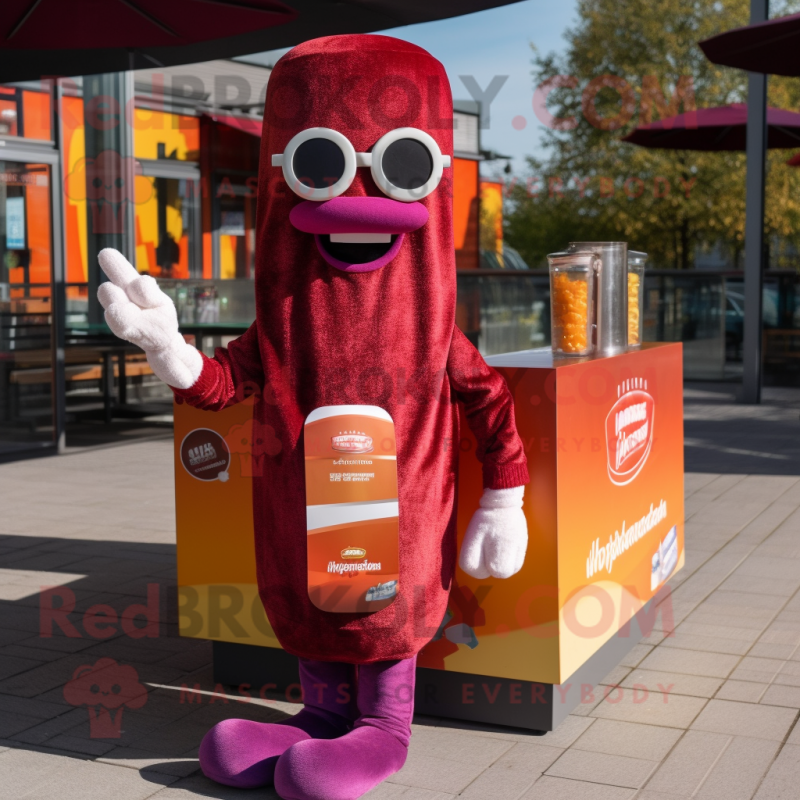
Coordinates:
636 258
584 246
571 260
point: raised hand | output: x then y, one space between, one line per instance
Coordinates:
497 535
139 312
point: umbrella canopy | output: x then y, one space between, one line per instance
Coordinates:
722 128
769 47
41 38
97 24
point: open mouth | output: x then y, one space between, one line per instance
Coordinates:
358 234
358 252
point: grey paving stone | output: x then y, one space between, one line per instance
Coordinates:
513 773
690 662
758 670
12 665
665 710
743 691
616 676
739 770
596 767
635 656
567 732
761 585
688 764
436 774
200 786
778 695
783 777
83 745
394 791
763 649
35 775
454 746
629 739
33 706
673 683
707 644
143 760
548 788
745 719
745 634
12 723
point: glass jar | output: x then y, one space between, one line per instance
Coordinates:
636 263
610 294
572 279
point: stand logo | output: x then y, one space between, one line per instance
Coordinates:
205 455
629 431
352 442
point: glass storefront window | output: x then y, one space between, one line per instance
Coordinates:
157 134
235 207
166 214
25 113
26 374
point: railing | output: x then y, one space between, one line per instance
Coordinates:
505 310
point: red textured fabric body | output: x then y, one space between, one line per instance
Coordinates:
387 338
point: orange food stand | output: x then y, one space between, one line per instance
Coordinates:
604 440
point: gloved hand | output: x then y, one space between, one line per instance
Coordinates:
139 312
497 535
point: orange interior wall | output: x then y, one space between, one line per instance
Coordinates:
36 115
465 213
74 201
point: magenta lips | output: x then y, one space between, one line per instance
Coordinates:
358 215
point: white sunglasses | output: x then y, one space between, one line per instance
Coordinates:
320 163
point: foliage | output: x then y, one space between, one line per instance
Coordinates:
669 203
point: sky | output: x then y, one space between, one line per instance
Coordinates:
486 44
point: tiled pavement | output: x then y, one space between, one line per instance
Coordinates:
719 719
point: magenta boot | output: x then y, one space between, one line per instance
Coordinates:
376 748
242 753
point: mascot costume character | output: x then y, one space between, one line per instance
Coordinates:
355 292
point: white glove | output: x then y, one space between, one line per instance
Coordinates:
139 312
497 535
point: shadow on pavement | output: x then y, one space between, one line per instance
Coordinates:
91 664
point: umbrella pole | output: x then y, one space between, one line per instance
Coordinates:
754 221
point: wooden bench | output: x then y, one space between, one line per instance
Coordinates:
781 346
84 372
26 373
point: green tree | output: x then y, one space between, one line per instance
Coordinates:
628 62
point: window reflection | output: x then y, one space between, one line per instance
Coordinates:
164 227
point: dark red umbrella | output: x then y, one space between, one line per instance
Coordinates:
722 128
770 47
40 38
95 24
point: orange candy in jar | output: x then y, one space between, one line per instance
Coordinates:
570 311
633 308
571 302
636 264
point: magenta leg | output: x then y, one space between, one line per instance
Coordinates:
243 753
348 767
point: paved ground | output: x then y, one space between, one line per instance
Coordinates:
100 522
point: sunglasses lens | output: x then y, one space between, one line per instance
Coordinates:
318 163
407 164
